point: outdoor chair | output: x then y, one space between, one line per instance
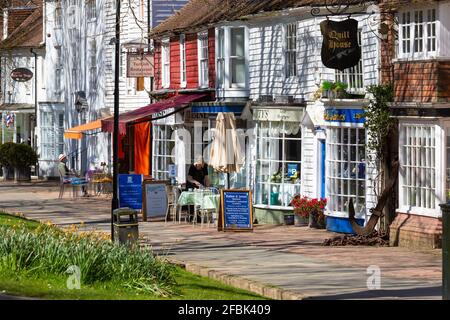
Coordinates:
173 194
63 182
77 184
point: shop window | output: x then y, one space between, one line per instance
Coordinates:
278 163
163 145
346 169
290 54
165 65
52 135
418 33
183 80
203 60
354 76
418 152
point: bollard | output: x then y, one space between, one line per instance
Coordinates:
445 251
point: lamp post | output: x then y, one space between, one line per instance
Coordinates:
115 199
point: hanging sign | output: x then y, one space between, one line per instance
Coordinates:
21 74
236 210
139 65
340 48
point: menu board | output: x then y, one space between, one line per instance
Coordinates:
236 210
130 191
155 199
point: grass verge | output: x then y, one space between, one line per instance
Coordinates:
23 275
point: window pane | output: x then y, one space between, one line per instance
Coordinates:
238 71
237 42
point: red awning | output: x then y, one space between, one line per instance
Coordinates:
146 112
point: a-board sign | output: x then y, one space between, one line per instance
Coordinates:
236 210
130 191
155 198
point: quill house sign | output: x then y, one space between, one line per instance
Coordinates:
340 48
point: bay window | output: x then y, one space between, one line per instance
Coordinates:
183 61
346 169
418 31
279 147
203 79
165 63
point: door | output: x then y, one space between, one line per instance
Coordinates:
322 157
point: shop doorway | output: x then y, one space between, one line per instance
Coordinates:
322 157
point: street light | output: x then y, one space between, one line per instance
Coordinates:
115 199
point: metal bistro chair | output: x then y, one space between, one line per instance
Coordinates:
63 182
208 213
172 197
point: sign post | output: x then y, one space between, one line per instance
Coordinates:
236 212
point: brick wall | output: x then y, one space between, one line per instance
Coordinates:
422 81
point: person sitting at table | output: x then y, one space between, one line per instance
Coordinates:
69 175
197 178
198 174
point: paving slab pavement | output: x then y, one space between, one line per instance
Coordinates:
286 257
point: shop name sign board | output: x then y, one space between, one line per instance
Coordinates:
21 75
345 115
278 115
236 210
140 65
155 199
340 48
130 191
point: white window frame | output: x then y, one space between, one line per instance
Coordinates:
58 70
243 58
165 63
163 144
51 135
203 59
220 58
414 178
91 10
58 15
354 75
409 29
339 179
273 161
290 36
183 74
93 77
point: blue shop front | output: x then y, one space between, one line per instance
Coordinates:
345 172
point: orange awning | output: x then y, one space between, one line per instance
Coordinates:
77 132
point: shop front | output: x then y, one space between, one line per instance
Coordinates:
180 137
278 166
348 172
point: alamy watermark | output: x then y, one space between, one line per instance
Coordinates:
374 280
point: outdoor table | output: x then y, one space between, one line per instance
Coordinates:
202 199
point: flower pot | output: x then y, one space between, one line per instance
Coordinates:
289 219
300 221
22 174
316 222
8 173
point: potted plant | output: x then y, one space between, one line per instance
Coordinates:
22 158
327 89
340 90
6 150
311 209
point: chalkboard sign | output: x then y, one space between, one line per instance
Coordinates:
236 210
155 198
130 191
